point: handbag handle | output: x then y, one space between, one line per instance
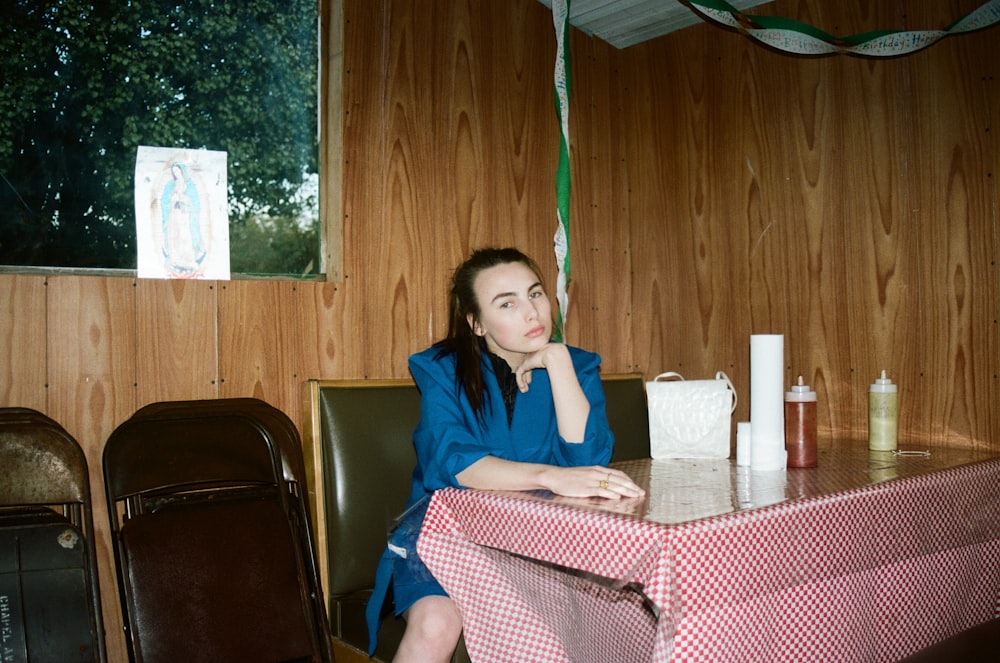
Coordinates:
722 376
718 376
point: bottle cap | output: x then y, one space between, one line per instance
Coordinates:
883 385
800 393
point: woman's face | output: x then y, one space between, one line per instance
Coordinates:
515 315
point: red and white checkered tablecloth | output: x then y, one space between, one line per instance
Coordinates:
865 558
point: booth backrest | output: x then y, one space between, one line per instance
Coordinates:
361 453
359 456
628 415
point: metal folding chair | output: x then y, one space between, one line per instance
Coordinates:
213 542
49 590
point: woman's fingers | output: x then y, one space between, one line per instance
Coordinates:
616 484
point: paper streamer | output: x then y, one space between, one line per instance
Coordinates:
791 36
560 20
767 402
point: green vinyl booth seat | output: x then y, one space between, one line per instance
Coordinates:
358 439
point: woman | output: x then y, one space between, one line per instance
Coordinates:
504 408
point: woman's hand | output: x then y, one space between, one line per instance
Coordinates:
592 481
539 359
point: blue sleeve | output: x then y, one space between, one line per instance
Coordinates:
445 439
449 437
598 441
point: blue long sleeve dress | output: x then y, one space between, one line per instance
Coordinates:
449 438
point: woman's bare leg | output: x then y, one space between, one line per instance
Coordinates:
433 626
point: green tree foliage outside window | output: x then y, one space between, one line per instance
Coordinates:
87 83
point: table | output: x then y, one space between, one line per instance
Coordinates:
868 557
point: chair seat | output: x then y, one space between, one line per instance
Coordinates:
232 616
348 616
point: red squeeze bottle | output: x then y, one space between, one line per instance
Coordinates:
800 425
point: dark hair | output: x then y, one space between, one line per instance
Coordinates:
462 302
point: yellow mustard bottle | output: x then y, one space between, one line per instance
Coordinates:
883 415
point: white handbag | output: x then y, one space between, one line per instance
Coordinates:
690 418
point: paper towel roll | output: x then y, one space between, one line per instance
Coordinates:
767 402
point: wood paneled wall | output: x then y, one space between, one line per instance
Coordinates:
847 203
719 190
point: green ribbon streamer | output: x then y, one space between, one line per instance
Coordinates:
560 20
793 36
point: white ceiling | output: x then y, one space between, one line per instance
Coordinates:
624 23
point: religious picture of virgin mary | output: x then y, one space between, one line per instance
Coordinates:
181 223
184 244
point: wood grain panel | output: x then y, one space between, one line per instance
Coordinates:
461 139
654 316
793 201
523 132
91 378
814 233
91 355
365 37
497 138
600 292
177 340
22 341
332 131
715 250
258 339
957 246
397 229
320 325
461 112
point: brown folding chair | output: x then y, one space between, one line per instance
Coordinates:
49 590
213 544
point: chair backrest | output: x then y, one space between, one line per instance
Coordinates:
46 523
359 436
213 542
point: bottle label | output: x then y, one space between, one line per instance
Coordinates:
882 409
882 418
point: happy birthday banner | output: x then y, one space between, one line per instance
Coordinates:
793 36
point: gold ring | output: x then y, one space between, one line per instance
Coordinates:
604 484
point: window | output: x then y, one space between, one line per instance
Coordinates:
87 83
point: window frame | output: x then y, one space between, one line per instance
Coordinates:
330 145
